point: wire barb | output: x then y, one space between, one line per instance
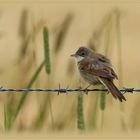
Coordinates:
130 90
59 90
64 90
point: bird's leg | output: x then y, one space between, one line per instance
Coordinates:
105 87
86 89
107 92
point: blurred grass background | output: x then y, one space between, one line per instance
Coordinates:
36 43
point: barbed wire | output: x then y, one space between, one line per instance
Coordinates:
64 90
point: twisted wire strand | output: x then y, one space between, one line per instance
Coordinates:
64 90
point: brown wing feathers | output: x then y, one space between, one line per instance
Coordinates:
106 75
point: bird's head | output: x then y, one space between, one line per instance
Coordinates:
82 53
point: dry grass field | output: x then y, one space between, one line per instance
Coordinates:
36 41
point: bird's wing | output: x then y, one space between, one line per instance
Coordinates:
103 72
102 58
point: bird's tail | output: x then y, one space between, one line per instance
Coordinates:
113 89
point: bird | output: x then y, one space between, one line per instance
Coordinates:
96 68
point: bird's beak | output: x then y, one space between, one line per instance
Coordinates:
73 55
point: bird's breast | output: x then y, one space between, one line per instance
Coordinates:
90 78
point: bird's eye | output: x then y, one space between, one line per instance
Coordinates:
82 54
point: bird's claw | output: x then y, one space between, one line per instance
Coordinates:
86 89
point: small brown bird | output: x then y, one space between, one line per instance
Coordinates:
97 69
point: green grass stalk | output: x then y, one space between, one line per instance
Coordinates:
80 114
46 50
6 120
24 95
47 99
